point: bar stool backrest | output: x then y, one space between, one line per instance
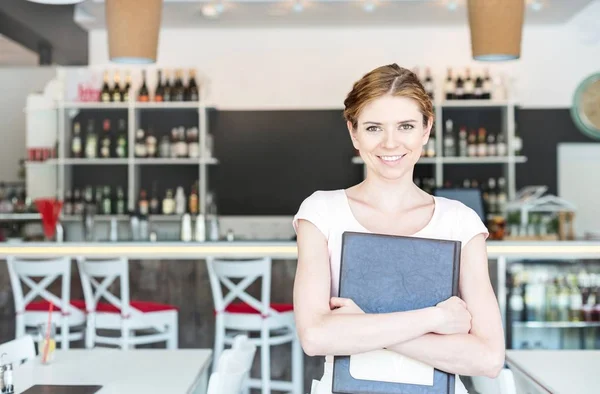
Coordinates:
25 271
221 272
96 278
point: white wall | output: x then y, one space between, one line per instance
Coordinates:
315 67
16 84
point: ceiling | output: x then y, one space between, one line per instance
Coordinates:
297 13
13 54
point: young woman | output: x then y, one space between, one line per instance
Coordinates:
389 118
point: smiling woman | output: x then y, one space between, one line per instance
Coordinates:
389 118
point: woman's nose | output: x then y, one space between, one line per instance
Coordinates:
390 139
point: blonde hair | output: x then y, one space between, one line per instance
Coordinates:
386 80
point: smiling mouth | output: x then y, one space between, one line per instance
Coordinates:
391 159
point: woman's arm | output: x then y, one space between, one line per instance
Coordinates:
481 351
348 330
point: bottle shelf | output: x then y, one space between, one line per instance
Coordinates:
19 216
174 161
555 324
134 105
462 160
97 218
95 162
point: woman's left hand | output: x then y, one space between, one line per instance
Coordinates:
346 306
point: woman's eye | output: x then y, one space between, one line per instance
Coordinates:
373 128
406 126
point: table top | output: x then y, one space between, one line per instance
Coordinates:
118 371
559 371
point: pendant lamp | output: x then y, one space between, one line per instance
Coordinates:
133 27
496 29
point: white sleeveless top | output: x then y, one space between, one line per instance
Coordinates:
330 212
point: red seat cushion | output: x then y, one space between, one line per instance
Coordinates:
242 307
44 306
142 306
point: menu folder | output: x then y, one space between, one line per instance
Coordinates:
387 273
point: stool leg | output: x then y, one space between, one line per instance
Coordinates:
124 333
265 359
19 325
297 367
219 341
173 328
64 332
90 330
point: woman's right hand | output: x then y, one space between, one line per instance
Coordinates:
456 319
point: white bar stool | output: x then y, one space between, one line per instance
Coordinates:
30 313
274 322
121 313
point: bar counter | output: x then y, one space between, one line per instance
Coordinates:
283 250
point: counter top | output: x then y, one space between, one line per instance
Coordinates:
274 249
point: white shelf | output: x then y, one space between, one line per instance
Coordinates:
94 105
19 216
483 160
461 160
165 161
473 103
97 218
209 160
555 324
168 105
41 163
95 162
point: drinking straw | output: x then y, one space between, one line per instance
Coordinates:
47 344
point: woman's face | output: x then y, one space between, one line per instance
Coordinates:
390 135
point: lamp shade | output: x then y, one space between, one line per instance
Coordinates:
133 27
58 2
496 29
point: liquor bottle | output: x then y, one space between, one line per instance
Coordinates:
168 204
105 143
469 86
143 203
178 89
492 196
117 93
98 200
164 148
449 145
121 145
501 197
563 300
174 147
179 201
192 89
140 144
182 146
68 207
159 93
463 150
78 203
154 204
428 85
516 302
91 141
193 201
478 93
449 86
517 144
492 147
501 145
106 201
76 145
481 142
431 146
168 90
106 92
192 141
144 95
472 144
552 300
459 90
150 144
120 205
127 87
487 85
575 304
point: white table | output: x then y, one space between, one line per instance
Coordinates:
131 371
555 371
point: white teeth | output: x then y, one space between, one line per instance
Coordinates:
391 158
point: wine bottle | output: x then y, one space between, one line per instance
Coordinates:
428 83
140 144
487 85
120 206
193 91
159 93
478 95
121 145
106 92
168 90
450 86
105 143
127 87
76 145
117 96
154 205
469 86
91 141
144 95
178 89
459 92
143 203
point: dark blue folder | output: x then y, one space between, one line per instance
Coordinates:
386 273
